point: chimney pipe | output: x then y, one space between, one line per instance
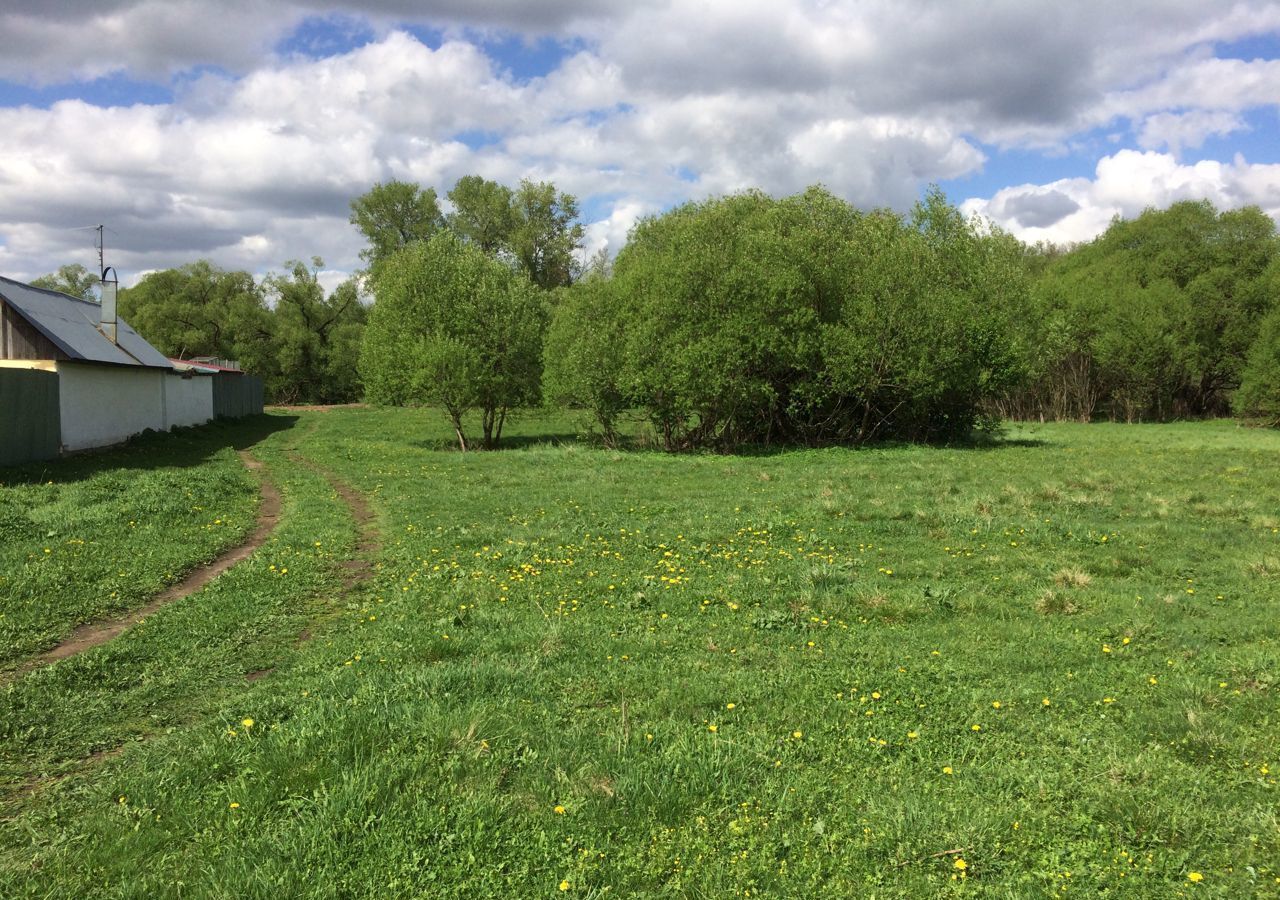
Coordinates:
109 285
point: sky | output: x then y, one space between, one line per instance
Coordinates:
240 130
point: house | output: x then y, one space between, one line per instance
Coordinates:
108 382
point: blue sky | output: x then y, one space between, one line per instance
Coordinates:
239 130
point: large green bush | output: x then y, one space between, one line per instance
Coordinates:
747 319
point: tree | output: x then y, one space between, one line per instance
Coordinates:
583 355
74 279
455 328
482 213
303 345
1153 319
392 216
201 310
315 337
546 235
1259 393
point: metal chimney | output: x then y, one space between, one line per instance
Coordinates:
109 285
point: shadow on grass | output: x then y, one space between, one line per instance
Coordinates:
637 444
512 442
181 448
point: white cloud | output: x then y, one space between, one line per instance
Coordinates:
1177 131
1124 184
657 103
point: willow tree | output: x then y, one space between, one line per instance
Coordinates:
454 328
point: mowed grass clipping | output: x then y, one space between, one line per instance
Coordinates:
1047 666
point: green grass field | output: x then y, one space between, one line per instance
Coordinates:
1044 667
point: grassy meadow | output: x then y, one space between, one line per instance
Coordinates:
1048 666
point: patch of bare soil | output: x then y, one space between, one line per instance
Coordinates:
95 634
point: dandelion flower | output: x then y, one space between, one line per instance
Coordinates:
797 734
1045 701
247 723
730 705
559 810
975 727
713 728
995 704
960 864
1195 877
947 770
564 885
912 735
235 805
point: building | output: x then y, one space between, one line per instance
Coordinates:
108 382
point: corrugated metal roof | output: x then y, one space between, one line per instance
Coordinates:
72 325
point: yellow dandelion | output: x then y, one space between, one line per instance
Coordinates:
1195 877
564 885
912 735
960 864
995 704
247 723
713 728
947 770
559 810
975 727
1045 702
730 705
797 734
234 805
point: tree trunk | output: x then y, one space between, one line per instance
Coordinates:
456 418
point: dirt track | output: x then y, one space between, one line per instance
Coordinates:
94 634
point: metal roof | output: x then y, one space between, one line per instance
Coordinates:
72 325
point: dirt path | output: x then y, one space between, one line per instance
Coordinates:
359 568
95 634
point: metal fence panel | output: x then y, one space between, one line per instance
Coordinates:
235 395
30 421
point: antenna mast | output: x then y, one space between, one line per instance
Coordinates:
101 249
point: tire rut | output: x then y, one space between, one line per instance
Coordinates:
95 634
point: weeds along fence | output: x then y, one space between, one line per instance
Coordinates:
30 419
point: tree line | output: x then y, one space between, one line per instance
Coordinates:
749 319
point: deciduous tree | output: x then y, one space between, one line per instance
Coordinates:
455 328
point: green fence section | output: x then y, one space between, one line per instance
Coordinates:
30 424
236 395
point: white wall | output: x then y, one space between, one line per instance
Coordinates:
187 401
103 404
